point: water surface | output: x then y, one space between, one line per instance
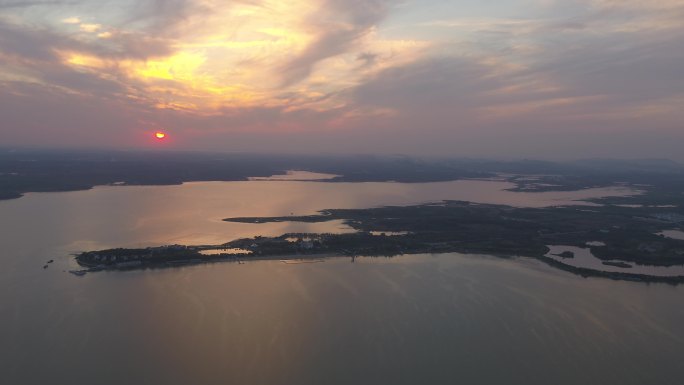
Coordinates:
407 320
297 176
192 213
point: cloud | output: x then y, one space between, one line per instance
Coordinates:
8 4
31 112
337 26
31 44
367 59
71 20
336 75
85 27
585 82
434 84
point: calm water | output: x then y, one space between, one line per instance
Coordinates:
407 320
192 213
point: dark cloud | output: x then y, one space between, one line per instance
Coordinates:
367 59
35 52
32 44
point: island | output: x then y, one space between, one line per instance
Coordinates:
616 233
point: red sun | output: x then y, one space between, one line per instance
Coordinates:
159 135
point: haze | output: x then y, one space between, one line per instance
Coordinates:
532 78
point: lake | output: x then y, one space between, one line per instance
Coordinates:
433 319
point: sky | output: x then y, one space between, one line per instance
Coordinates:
475 78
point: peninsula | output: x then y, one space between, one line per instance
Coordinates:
626 234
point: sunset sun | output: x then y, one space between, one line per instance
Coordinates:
160 135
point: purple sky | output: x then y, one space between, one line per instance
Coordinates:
509 78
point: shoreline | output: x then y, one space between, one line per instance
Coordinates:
616 276
321 257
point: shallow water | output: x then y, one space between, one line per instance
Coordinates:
584 258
